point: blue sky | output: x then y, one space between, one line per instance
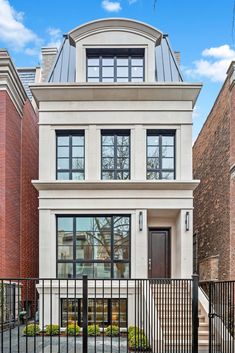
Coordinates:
201 30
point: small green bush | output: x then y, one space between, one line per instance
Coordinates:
138 342
53 330
72 330
133 330
112 330
93 330
31 330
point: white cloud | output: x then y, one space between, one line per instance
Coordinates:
111 6
213 64
55 35
12 30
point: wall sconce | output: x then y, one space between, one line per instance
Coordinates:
140 221
187 221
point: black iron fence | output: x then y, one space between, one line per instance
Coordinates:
99 315
221 299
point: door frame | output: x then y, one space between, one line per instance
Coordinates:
151 229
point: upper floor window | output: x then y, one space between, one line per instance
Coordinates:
160 154
115 154
70 155
109 65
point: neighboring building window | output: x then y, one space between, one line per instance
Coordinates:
97 246
115 65
102 311
70 155
115 154
160 154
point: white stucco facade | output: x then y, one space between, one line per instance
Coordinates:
138 107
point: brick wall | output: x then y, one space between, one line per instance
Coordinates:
2 179
211 165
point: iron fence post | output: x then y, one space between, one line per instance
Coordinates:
195 319
210 315
84 314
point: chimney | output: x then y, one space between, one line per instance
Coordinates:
177 57
48 59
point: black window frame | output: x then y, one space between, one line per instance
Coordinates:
115 54
160 170
70 170
115 170
112 261
78 313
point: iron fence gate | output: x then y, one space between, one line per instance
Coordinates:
100 315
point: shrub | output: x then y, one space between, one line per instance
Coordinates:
72 330
53 330
138 342
134 330
93 330
31 330
112 330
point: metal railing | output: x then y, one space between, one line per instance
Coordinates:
100 315
221 297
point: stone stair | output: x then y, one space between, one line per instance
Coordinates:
174 313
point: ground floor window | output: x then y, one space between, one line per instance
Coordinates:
96 246
103 312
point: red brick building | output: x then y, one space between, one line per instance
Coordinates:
18 166
214 198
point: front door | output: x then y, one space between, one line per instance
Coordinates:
159 253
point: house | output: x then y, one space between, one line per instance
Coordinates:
213 164
18 166
115 163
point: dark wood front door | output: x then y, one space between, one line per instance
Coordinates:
159 253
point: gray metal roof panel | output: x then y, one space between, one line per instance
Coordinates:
64 69
27 76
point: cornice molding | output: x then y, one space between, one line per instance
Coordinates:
115 185
116 92
10 81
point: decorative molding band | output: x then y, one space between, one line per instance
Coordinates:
10 81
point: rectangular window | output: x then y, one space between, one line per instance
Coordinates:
110 65
70 151
97 246
115 154
102 311
160 154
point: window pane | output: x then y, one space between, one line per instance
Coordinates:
122 61
78 163
63 176
108 175
122 163
63 140
122 72
137 79
153 151
108 151
93 79
65 223
63 163
77 152
168 175
107 61
108 71
168 163
137 72
123 151
153 163
108 163
93 61
102 270
77 176
70 311
63 151
93 224
123 140
107 140
168 140
65 252
167 151
153 175
107 79
119 312
123 175
78 140
124 80
84 269
121 270
153 140
93 72
137 62
65 270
